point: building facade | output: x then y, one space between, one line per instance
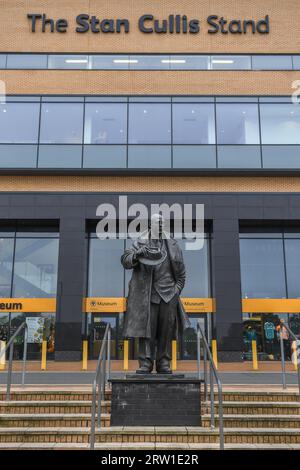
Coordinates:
193 104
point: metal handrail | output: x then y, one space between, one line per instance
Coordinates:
283 371
10 347
101 379
212 373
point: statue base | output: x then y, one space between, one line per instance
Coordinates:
156 400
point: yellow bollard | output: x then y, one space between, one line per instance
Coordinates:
126 349
84 354
174 355
2 360
214 352
254 355
44 356
294 355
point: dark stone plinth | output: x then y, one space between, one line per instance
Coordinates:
156 400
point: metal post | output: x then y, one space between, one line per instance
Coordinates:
108 354
9 372
282 360
221 423
93 416
298 365
24 356
198 354
99 398
205 373
212 397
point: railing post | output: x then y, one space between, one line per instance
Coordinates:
254 355
174 355
221 423
198 353
9 373
84 354
205 372
282 359
24 355
126 354
93 415
214 352
212 397
108 355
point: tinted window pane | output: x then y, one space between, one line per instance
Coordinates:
151 62
110 62
61 123
197 271
2 61
237 124
280 156
104 156
18 156
23 61
262 268
193 124
296 62
149 123
106 275
35 267
239 156
194 156
105 123
150 156
191 62
60 156
19 122
272 62
280 123
6 263
230 62
292 259
68 62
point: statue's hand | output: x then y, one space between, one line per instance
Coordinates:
141 252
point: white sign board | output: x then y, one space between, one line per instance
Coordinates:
35 329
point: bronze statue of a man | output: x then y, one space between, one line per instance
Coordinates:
155 313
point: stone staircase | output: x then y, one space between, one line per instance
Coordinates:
61 420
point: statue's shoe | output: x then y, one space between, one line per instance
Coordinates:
164 370
143 370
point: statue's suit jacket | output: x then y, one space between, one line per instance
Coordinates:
137 316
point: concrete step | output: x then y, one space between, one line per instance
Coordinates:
50 420
39 407
266 396
48 395
259 408
255 421
162 435
150 446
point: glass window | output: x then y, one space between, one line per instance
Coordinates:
104 156
197 271
106 275
280 123
237 123
193 123
239 156
189 62
149 62
2 61
110 62
296 62
26 61
233 62
149 123
6 264
61 123
262 268
19 122
18 156
149 156
68 62
272 62
194 156
281 156
35 267
60 156
292 259
105 123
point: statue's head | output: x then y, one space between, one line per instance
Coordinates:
157 226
